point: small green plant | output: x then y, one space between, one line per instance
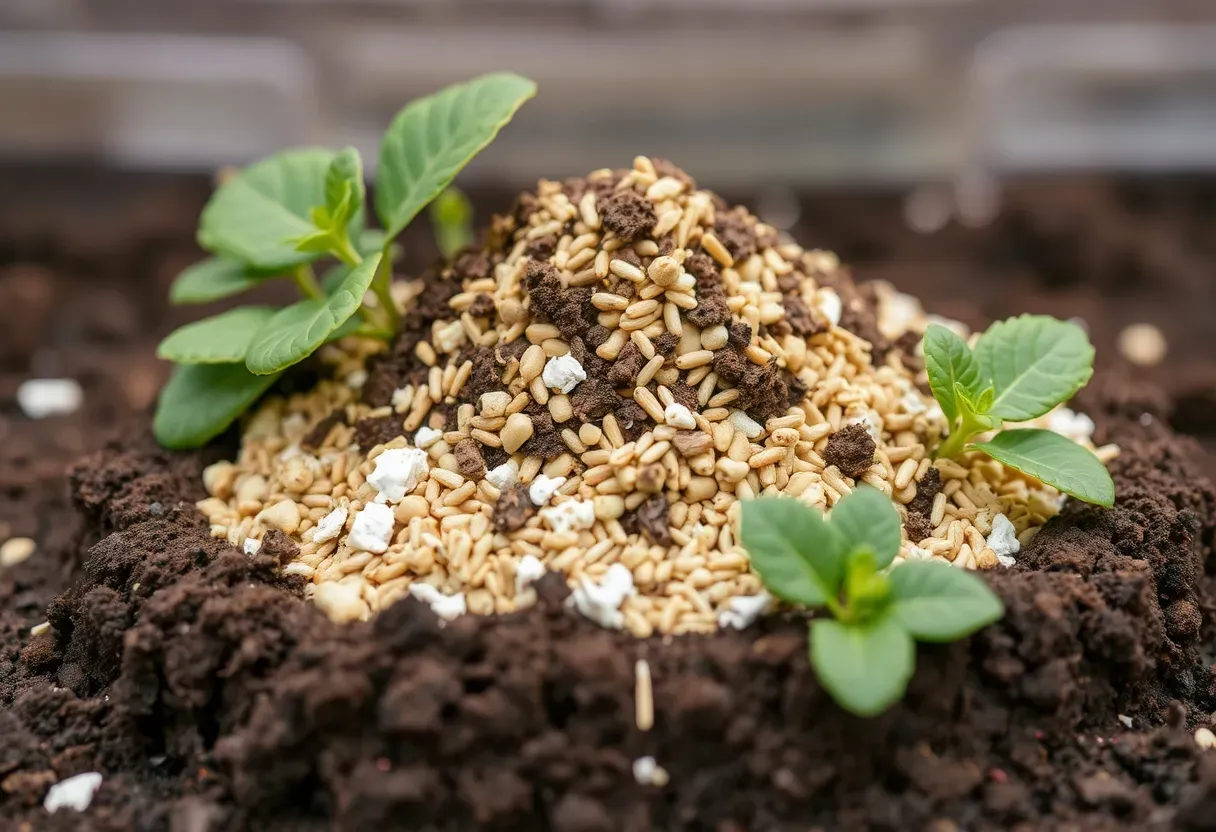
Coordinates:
279 216
865 653
452 218
1020 369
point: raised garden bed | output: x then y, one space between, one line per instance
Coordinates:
212 695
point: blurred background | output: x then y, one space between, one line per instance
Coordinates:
990 156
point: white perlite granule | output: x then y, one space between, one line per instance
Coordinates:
543 488
398 472
251 546
572 515
426 437
601 601
679 416
1003 540
743 610
446 607
372 529
330 526
75 793
39 398
563 372
529 571
503 476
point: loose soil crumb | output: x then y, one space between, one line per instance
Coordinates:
851 449
609 398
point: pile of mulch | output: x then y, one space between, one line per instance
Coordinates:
212 697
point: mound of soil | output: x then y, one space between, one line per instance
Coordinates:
213 697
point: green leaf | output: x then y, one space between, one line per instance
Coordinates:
201 400
371 241
948 361
432 139
865 667
255 217
1055 460
221 339
1036 362
984 403
214 279
798 555
345 190
298 330
452 218
939 602
867 517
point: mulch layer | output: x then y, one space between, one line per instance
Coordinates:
213 697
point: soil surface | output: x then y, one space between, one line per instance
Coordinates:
213 698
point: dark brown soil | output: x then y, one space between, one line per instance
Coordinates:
213 698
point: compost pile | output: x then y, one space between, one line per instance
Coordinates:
594 392
211 694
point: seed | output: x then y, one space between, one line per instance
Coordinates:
769 456
732 470
644 696
532 363
626 270
700 488
648 371
410 507
219 478
283 515
515 432
641 308
649 403
642 341
608 302
589 434
1143 344
714 248
611 348
495 403
446 478
696 358
510 310
664 271
16 550
559 408
714 337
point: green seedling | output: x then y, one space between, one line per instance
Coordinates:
1019 370
865 652
278 217
452 218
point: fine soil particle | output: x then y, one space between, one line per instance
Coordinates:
469 460
918 526
928 487
711 306
569 310
628 213
379 430
513 509
652 519
851 449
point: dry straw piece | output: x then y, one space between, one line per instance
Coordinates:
623 364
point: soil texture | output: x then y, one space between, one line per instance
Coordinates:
213 697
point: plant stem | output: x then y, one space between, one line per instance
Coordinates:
306 282
345 252
380 285
969 425
371 331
